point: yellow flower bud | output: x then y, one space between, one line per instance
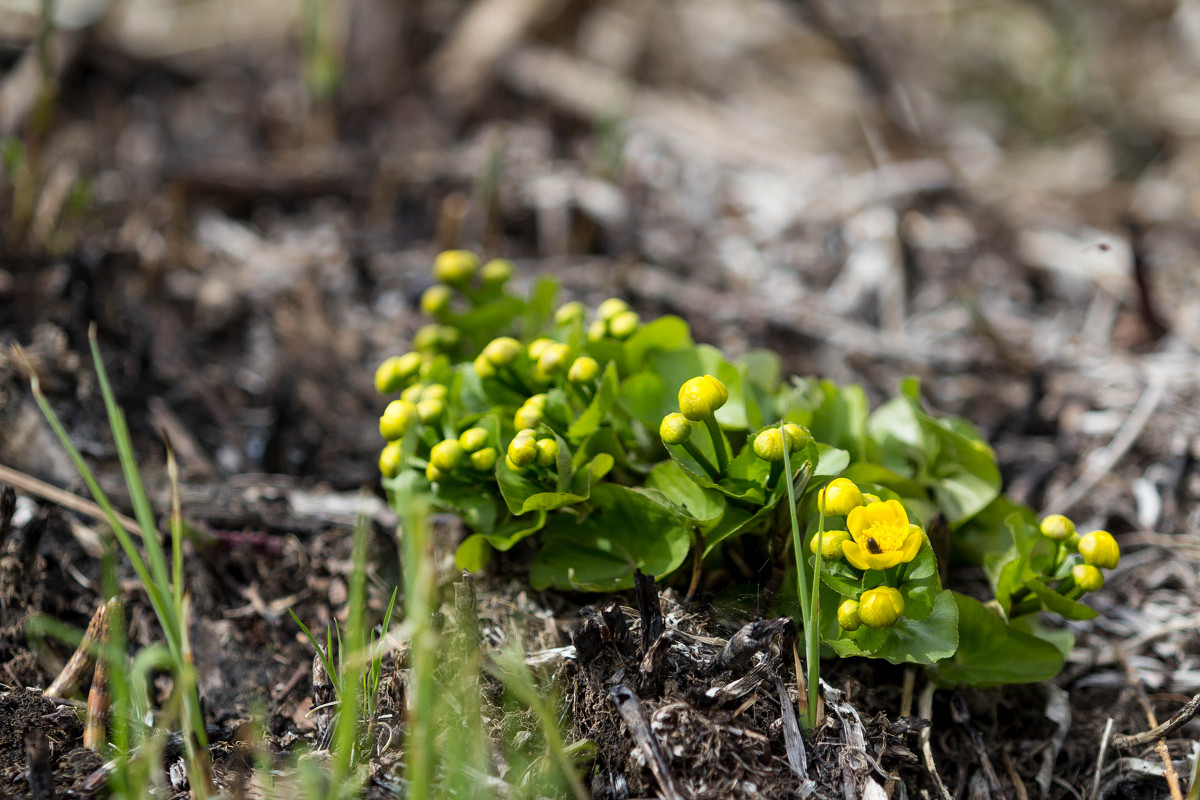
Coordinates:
675 428
501 351
391 460
611 307
433 473
446 455
537 401
624 325
394 371
831 543
798 437
430 410
448 336
583 370
1057 527
455 267
840 497
1100 549
1087 577
485 459
869 498
553 358
537 347
413 393
484 368
880 607
569 312
701 397
527 416
435 391
436 299
396 419
473 439
522 452
428 338
547 452
848 615
597 330
768 444
496 272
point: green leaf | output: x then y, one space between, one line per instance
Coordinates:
600 552
523 495
645 398
992 652
702 506
831 461
596 412
947 456
475 551
540 306
1063 606
734 522
841 418
664 333
475 503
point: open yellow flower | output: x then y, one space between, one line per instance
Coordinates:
881 537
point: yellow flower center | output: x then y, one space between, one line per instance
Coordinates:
884 537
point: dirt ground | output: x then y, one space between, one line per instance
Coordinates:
1001 198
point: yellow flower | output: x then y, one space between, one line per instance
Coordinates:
880 536
880 607
840 497
702 396
396 419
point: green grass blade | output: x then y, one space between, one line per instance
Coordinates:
137 491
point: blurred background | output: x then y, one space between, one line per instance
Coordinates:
999 196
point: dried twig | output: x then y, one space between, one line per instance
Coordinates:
31 485
925 711
630 709
1103 462
1104 740
1181 718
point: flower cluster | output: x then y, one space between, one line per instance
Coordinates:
622 444
877 536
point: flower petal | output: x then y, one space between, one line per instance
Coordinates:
854 554
856 521
912 545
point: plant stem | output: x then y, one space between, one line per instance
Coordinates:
695 453
813 640
801 579
773 478
718 440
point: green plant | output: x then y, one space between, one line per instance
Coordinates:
626 445
164 586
